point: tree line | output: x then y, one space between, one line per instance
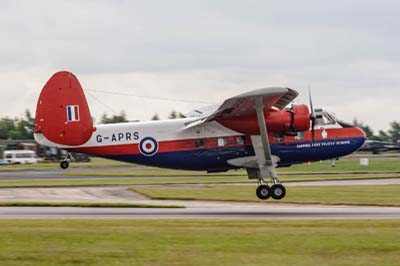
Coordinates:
22 128
121 117
17 128
393 134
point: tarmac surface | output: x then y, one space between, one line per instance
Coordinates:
276 211
54 174
57 174
192 210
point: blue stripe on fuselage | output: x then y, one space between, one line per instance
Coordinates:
216 158
69 113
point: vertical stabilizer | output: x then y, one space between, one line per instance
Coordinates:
62 112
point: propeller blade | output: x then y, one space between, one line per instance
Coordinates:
313 116
312 113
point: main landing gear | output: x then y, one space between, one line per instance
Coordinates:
265 163
277 191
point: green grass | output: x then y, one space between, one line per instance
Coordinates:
382 195
347 169
84 204
95 162
343 166
150 172
119 181
317 168
294 176
211 179
199 242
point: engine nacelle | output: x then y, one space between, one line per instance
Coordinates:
283 121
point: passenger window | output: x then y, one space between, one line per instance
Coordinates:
9 156
222 142
279 138
241 140
299 136
199 143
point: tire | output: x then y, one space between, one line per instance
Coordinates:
278 191
263 192
64 164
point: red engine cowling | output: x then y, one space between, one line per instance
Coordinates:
294 119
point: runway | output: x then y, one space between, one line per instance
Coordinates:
191 210
57 174
275 211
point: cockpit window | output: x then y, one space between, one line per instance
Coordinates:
331 117
325 118
279 138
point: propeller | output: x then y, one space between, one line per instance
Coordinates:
313 116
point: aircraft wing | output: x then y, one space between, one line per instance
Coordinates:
244 104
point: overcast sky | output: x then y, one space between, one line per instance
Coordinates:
349 51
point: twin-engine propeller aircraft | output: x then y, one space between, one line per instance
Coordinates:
254 130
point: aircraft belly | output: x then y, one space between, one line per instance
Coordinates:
315 151
202 160
243 156
250 161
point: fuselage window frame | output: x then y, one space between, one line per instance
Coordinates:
222 141
299 135
279 138
199 143
240 140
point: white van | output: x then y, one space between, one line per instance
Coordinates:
20 157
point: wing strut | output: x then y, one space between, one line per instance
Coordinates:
263 151
266 167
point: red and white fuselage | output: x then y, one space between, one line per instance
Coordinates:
216 141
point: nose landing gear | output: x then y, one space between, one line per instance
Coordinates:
64 164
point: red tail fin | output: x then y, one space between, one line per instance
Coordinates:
62 113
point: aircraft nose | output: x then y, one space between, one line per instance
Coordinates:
360 135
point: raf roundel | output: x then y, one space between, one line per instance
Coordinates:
148 146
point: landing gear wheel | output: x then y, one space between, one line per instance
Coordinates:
64 164
263 192
277 191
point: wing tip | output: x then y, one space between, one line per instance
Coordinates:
268 91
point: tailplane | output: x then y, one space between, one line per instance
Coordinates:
62 113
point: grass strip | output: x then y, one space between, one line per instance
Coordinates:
117 181
210 179
95 162
158 172
381 195
199 242
347 167
342 166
